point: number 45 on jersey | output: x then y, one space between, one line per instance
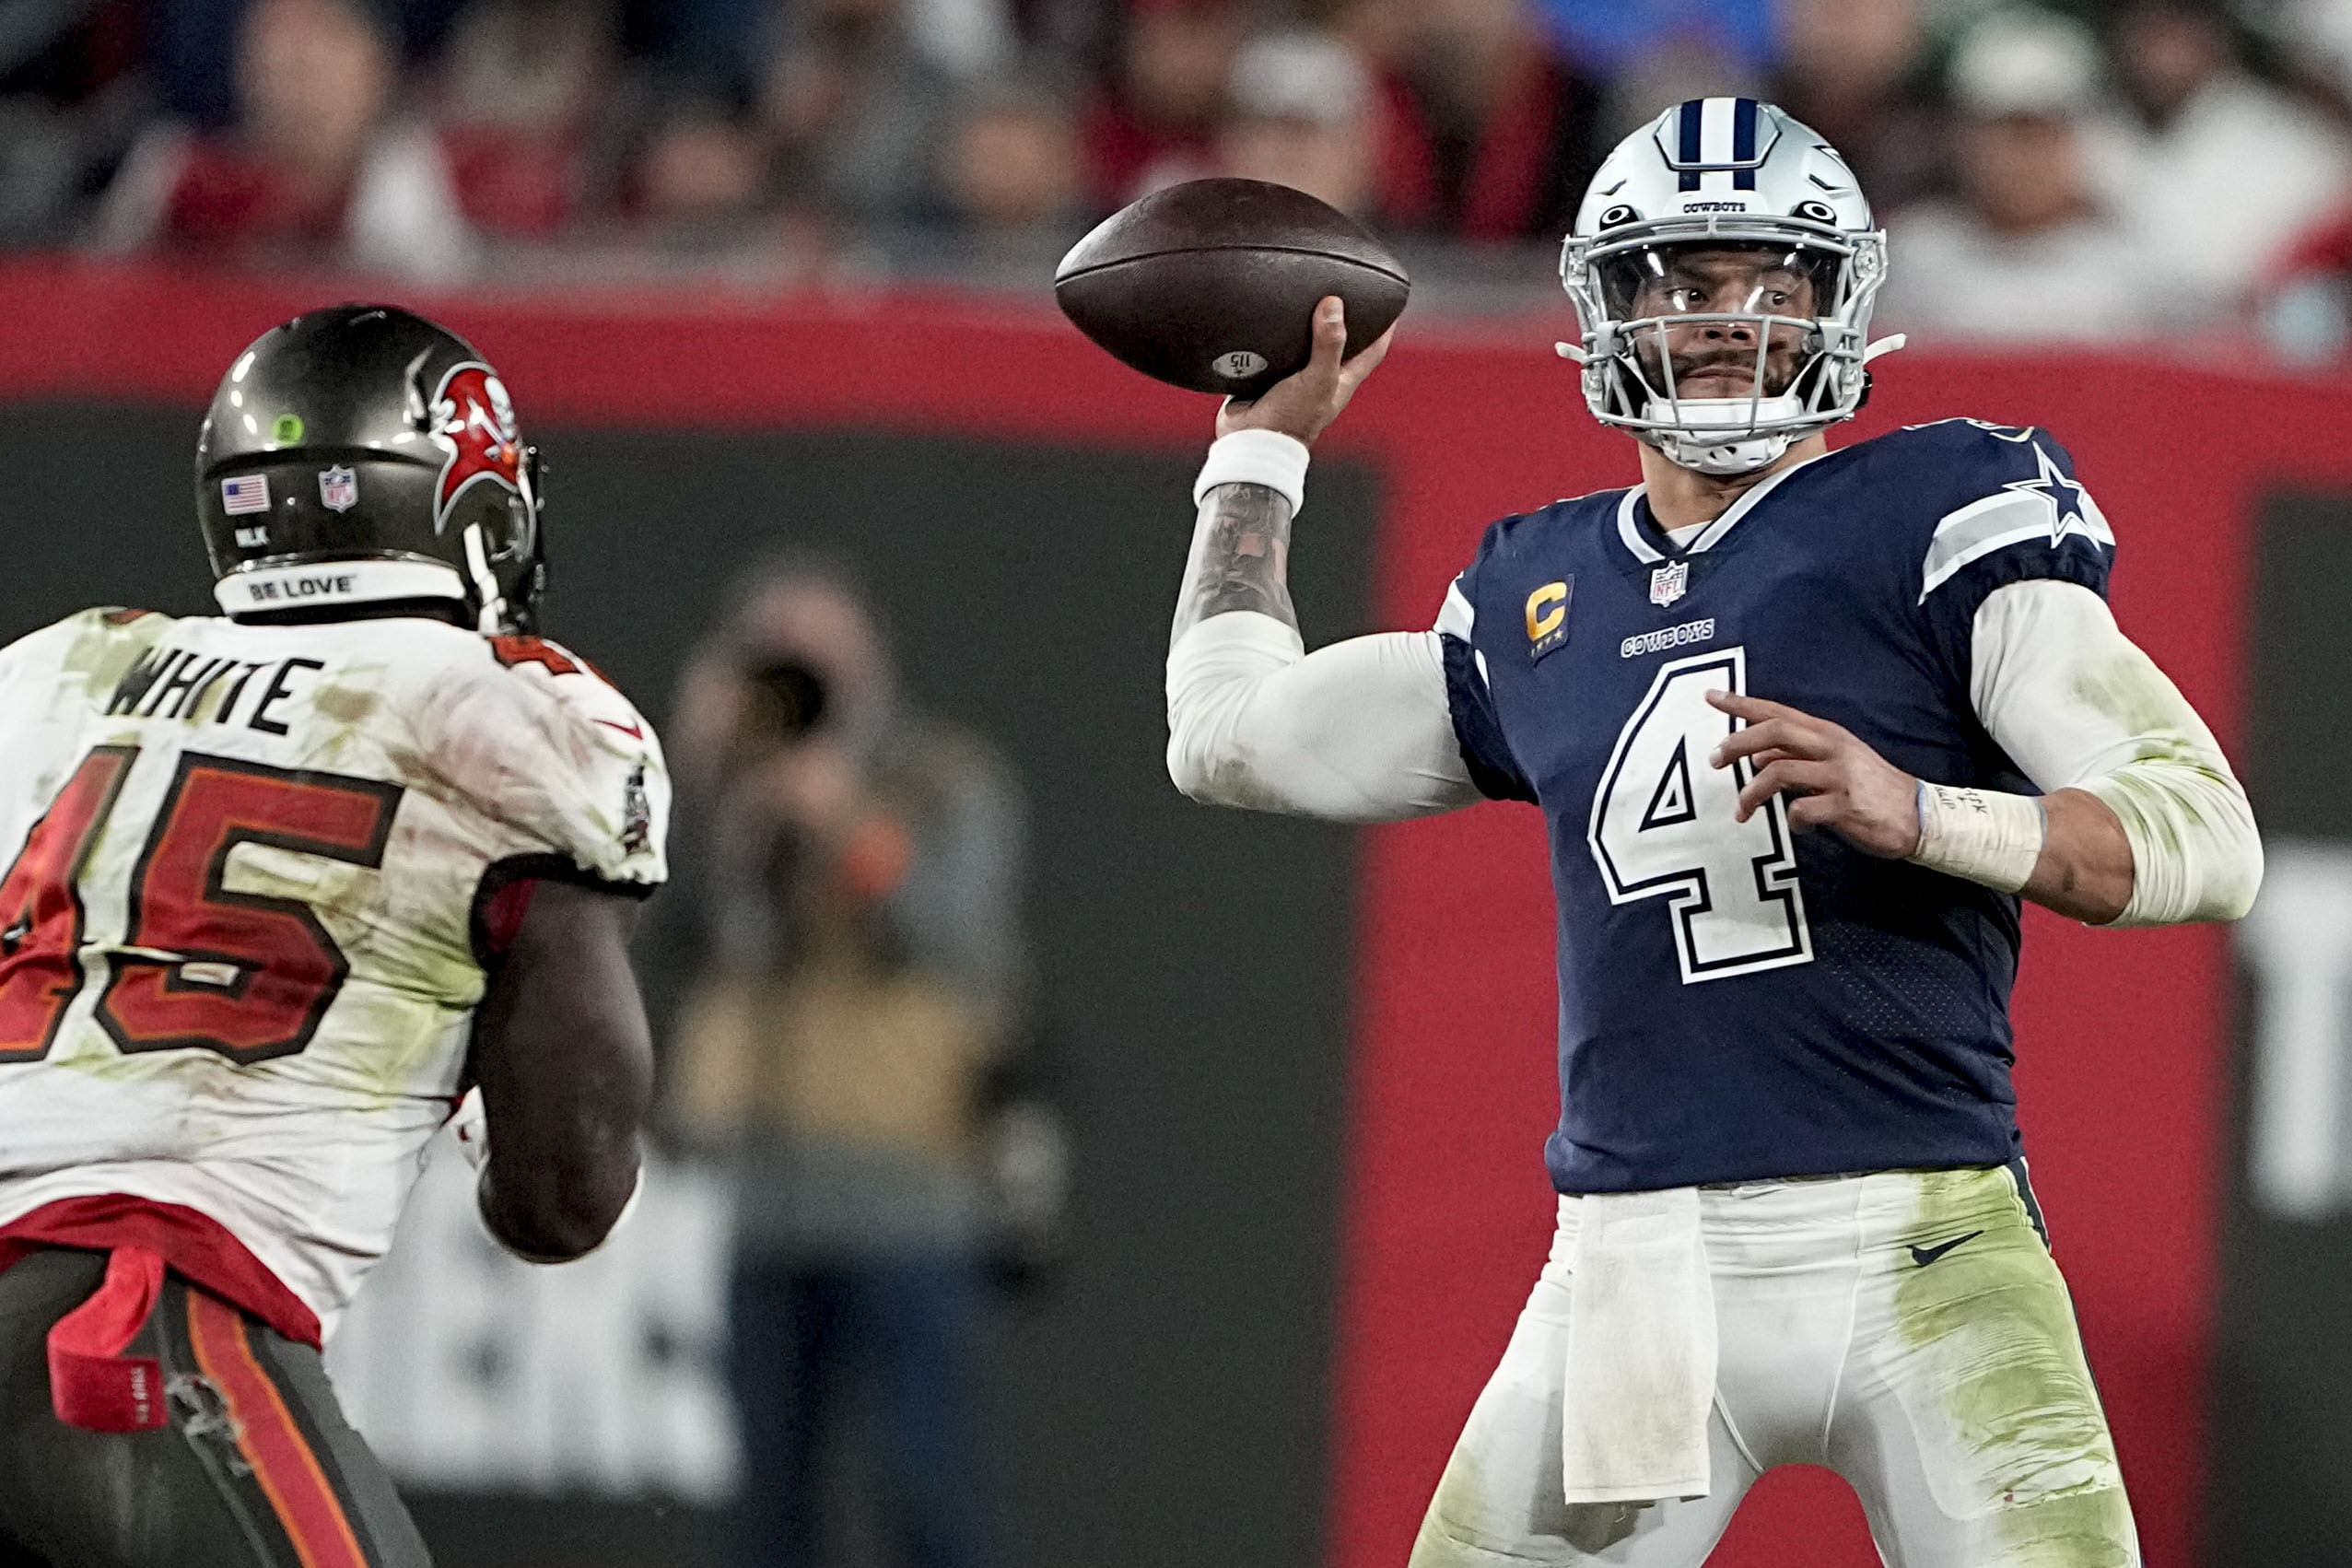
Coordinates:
1663 826
200 966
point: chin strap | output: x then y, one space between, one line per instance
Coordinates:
1722 458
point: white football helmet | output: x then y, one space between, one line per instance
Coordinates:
1724 174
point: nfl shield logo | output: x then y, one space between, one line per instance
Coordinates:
1670 582
338 489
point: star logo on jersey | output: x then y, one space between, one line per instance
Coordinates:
472 420
2071 509
1670 582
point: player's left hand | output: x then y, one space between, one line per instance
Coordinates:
1832 779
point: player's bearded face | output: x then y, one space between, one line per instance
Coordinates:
1711 356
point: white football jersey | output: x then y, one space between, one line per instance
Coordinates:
239 919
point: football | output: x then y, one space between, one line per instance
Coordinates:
1211 285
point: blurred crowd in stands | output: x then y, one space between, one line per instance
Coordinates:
2107 169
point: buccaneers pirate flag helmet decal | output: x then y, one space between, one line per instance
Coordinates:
361 454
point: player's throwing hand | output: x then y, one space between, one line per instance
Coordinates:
1832 779
1305 404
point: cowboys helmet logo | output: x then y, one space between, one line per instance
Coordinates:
473 422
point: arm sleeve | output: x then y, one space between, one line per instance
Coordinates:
1359 731
2076 705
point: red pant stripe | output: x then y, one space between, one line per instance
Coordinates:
288 1471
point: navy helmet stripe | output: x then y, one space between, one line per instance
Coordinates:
1743 142
1688 154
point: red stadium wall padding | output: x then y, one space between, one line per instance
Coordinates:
2120 1036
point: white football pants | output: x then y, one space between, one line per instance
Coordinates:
1943 1377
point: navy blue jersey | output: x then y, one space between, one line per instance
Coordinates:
1739 1001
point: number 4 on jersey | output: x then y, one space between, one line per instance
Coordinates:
1663 827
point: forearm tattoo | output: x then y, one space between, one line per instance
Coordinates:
1241 549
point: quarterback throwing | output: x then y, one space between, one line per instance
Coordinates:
1804 725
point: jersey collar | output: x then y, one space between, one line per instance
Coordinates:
1638 540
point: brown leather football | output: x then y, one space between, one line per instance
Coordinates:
1211 285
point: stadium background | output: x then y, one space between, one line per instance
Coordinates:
1311 1069
771 271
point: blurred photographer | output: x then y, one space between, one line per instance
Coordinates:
850 871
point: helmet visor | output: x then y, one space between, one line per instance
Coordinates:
1719 319
1717 277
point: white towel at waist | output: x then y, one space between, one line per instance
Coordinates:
1641 1375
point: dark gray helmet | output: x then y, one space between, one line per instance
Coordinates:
360 454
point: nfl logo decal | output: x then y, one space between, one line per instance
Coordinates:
250 494
338 489
1670 582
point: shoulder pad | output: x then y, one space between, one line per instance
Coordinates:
538 736
1990 486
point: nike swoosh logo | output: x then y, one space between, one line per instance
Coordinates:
631 730
1923 1255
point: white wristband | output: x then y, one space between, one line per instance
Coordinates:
1256 457
1983 835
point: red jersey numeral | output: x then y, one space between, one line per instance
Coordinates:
246 975
513 650
200 966
40 906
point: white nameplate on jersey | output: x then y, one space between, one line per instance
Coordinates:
178 683
246 493
1670 582
338 489
1658 641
